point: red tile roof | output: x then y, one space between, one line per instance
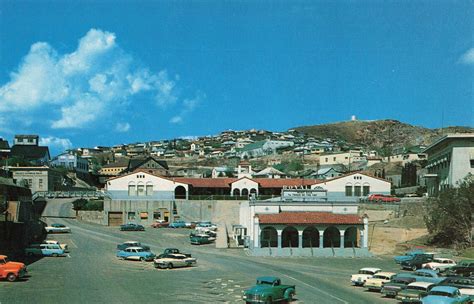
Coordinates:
309 218
221 182
281 182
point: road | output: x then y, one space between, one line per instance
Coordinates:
92 274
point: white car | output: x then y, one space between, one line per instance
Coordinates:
206 226
439 264
173 260
63 246
378 280
364 274
57 228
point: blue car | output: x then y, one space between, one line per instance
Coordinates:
177 224
423 275
135 253
44 250
132 227
445 295
408 255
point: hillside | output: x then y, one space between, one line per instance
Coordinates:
379 134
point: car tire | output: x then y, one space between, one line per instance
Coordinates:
170 265
413 267
11 277
269 300
290 297
55 255
142 259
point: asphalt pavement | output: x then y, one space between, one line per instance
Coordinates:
91 273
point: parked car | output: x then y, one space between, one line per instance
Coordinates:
376 282
464 268
383 198
445 295
424 275
465 284
408 255
11 271
57 228
132 227
206 225
175 251
417 261
171 260
128 244
63 246
135 253
392 288
439 264
364 274
160 224
414 292
200 239
177 224
44 250
269 290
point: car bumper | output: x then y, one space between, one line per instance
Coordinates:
357 282
410 300
373 287
252 299
389 292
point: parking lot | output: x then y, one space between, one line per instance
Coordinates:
91 273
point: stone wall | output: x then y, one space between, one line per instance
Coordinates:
96 217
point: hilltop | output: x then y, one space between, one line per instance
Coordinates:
379 134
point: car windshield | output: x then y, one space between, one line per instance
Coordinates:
380 277
416 288
265 283
440 293
365 272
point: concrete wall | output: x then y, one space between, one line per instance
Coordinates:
214 211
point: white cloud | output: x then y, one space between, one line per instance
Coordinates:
79 88
122 127
187 107
468 57
51 141
176 119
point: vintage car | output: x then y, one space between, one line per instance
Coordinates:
57 228
132 227
464 268
376 282
11 270
63 246
128 244
383 198
200 239
173 260
53 250
424 275
269 290
175 251
160 224
414 292
439 264
135 253
392 288
465 284
177 224
408 255
445 295
206 226
417 261
364 274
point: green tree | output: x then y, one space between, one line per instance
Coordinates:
448 217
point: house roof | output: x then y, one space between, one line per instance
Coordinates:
309 218
282 182
137 162
4 144
466 136
253 146
120 164
221 182
30 152
269 170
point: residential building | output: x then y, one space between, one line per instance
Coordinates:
27 148
115 168
71 161
150 164
326 173
264 147
450 160
269 172
37 178
4 149
342 158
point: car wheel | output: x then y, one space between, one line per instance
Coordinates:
170 265
54 254
142 259
413 268
290 297
11 277
269 300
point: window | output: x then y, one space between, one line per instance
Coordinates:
334 159
131 190
141 190
326 159
131 215
357 191
144 215
149 190
40 183
348 190
365 190
472 163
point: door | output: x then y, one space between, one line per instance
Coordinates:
115 218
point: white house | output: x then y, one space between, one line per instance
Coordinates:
343 158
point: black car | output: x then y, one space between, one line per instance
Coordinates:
132 227
464 268
125 245
396 284
459 282
417 261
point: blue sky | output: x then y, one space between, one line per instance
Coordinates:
87 73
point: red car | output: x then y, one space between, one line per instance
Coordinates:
382 198
160 224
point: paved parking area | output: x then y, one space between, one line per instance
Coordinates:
92 274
